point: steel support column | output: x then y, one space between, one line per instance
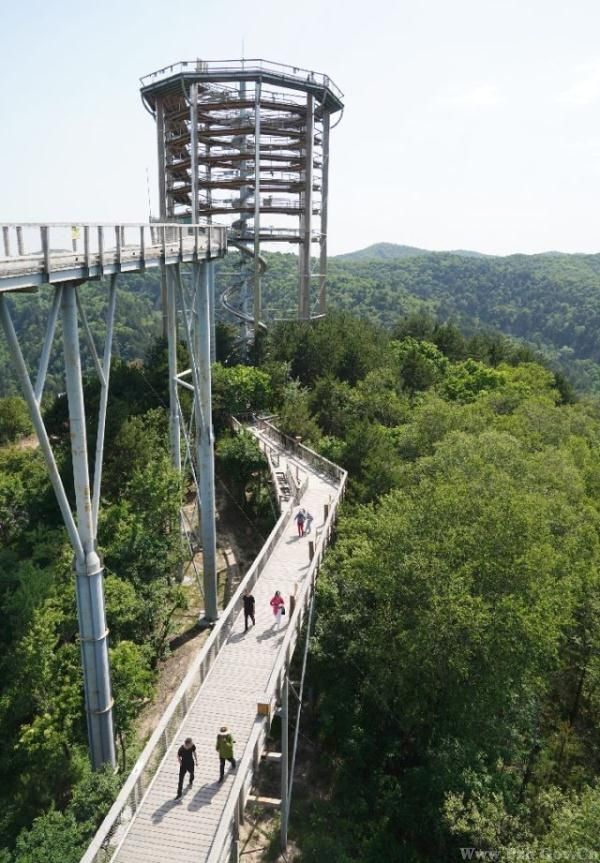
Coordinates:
284 714
89 570
306 232
205 439
194 153
48 340
38 424
174 427
98 462
324 207
257 285
211 302
162 196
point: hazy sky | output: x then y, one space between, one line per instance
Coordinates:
468 124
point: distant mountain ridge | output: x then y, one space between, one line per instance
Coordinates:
392 251
549 300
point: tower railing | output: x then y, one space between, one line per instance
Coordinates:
246 66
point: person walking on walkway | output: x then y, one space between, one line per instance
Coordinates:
225 749
308 520
248 609
278 606
186 756
299 518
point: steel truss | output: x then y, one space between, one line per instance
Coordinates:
89 571
190 304
187 307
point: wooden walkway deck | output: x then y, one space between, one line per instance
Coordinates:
165 829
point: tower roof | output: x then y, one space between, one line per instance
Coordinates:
186 72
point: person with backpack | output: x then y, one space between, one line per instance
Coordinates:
225 749
308 520
300 518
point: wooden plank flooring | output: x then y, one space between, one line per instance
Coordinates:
165 829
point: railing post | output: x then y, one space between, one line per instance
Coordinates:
44 230
6 235
20 249
284 761
118 237
143 247
101 249
86 245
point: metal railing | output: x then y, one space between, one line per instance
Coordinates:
130 797
46 248
112 830
317 461
249 67
228 830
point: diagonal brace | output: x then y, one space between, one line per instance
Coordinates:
40 429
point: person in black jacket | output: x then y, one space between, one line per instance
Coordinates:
248 609
186 756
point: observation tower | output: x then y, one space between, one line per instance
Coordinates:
246 143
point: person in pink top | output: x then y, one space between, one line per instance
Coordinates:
278 606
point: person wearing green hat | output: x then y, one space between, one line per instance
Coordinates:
225 749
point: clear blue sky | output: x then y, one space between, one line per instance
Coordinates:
469 124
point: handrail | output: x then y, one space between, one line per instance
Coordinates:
135 787
35 238
228 823
248 67
198 224
306 453
35 253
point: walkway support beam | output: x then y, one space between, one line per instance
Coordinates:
205 449
174 425
306 215
324 214
257 274
284 714
93 631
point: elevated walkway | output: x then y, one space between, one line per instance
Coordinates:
235 681
35 254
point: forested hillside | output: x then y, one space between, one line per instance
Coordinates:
50 801
550 301
456 659
455 664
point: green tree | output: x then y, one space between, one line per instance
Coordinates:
14 419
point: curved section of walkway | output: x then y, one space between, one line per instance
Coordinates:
245 671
